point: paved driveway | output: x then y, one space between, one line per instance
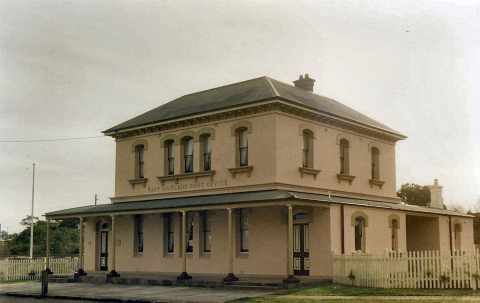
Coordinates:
143 293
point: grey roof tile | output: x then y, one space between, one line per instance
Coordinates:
242 93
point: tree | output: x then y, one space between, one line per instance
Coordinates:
4 235
63 238
414 194
27 220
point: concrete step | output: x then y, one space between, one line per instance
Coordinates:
61 280
256 283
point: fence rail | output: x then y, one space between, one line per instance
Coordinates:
26 269
416 269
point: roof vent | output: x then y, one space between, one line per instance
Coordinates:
304 83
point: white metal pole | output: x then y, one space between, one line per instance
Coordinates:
31 219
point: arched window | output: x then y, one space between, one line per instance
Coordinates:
139 161
458 236
300 217
307 151
188 154
395 235
375 163
359 234
207 152
243 146
344 167
170 157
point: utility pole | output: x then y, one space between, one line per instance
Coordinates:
31 219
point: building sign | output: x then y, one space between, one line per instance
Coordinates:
180 187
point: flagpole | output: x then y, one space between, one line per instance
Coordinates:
31 219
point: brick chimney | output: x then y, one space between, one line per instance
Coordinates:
304 83
436 193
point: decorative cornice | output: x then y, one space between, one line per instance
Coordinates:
259 108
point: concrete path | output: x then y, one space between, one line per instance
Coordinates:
128 293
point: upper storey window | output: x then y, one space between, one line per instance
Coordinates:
344 167
141 161
243 146
375 163
188 154
170 157
207 152
306 149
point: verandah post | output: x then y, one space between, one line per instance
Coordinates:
184 275
231 276
291 278
113 272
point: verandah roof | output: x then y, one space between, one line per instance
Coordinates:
224 200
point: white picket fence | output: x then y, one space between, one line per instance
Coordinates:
26 269
416 269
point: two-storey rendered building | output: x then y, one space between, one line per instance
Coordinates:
257 178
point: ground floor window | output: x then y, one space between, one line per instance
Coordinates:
359 233
394 235
190 232
139 233
207 232
169 232
244 230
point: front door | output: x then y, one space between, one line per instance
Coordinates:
301 260
104 250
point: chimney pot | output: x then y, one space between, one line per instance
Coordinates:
305 83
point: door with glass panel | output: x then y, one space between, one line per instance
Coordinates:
104 250
301 259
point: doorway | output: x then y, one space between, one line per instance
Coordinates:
104 248
301 246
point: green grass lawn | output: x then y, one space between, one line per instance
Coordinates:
329 289
280 300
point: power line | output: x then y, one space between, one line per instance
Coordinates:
50 140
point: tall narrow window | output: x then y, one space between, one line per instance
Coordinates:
188 154
171 157
344 157
243 147
458 237
244 230
394 235
207 232
375 164
141 161
139 232
359 234
189 232
169 227
306 148
207 153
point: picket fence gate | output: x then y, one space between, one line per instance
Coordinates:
415 269
26 269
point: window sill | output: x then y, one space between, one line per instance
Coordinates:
243 254
138 255
169 255
138 181
346 178
241 169
311 171
206 254
195 176
376 182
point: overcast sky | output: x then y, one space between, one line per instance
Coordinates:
75 68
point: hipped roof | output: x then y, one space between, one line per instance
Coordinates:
243 93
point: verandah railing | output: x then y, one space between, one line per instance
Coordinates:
26 269
416 269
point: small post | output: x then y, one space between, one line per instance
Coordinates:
44 282
231 276
184 275
80 271
113 273
47 255
291 278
